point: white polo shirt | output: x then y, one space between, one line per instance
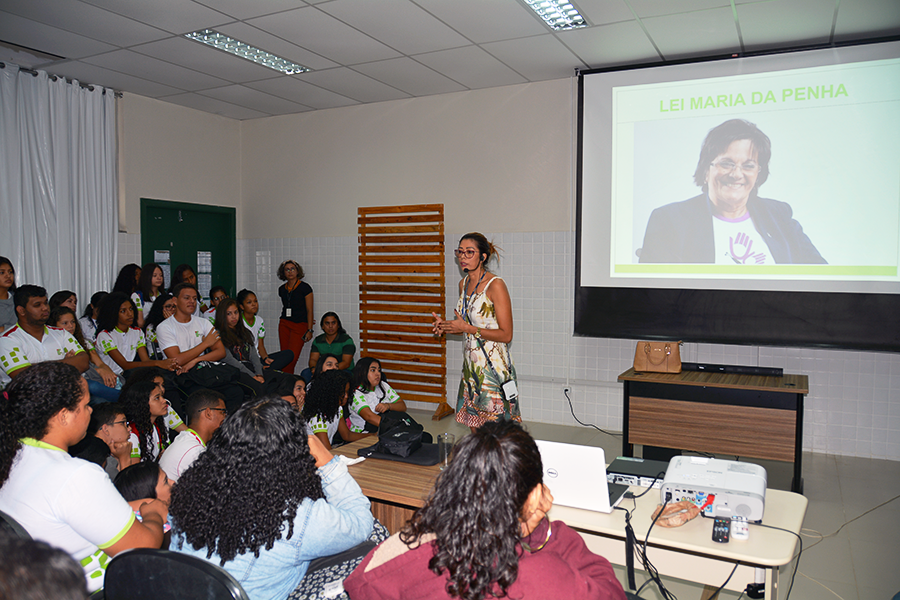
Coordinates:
183 335
68 503
258 329
126 342
181 454
19 349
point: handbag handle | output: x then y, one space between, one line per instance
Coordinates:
650 354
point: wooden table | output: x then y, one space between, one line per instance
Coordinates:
395 489
752 416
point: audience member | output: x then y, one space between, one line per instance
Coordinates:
161 379
88 320
333 340
205 412
127 280
287 501
64 298
163 308
216 294
484 533
146 408
143 482
324 410
151 284
293 391
7 289
121 345
296 324
109 426
32 570
61 500
185 274
249 309
371 397
326 362
103 383
193 342
31 341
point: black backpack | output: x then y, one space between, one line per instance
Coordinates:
400 434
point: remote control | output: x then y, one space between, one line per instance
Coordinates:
740 529
721 529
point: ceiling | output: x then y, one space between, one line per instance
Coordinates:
363 51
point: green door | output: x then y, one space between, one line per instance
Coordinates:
195 234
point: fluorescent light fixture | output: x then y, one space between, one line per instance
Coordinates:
560 15
221 41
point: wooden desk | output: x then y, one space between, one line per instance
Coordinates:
688 552
746 415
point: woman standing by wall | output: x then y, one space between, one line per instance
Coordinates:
484 316
296 324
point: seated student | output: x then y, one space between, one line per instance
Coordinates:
88 320
265 499
7 289
324 410
159 377
190 341
127 280
31 341
64 298
185 274
163 308
143 482
205 412
242 354
151 284
146 408
372 396
334 340
326 362
249 309
484 532
60 500
109 426
216 294
293 391
32 570
121 345
102 382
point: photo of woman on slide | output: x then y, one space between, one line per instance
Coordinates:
729 223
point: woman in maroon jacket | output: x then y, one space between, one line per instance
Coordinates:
484 532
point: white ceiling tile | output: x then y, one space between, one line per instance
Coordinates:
86 73
410 76
44 38
250 98
605 12
486 20
610 45
270 43
242 9
698 33
867 19
87 20
658 8
147 67
203 58
786 23
354 85
321 33
471 66
175 16
537 58
399 24
302 92
214 106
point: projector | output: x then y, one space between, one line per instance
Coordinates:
721 488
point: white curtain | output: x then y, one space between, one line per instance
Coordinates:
58 205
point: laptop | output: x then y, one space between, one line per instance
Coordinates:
576 475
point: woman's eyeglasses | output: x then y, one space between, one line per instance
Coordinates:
464 253
727 166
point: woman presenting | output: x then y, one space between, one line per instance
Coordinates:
296 325
484 316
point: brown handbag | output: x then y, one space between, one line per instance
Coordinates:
657 357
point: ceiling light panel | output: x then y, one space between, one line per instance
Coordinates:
221 41
559 15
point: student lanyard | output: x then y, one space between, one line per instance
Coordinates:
470 297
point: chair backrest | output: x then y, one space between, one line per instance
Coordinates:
149 574
10 525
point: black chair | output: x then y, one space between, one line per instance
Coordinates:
11 526
149 574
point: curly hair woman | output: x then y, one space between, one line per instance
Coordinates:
63 501
324 409
484 533
287 500
146 409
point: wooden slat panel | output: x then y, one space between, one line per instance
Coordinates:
419 330
744 431
418 358
407 366
375 317
436 398
402 208
411 289
374 347
407 258
370 310
392 268
410 244
423 218
401 386
401 229
369 297
406 280
400 374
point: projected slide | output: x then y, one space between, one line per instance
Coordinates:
786 175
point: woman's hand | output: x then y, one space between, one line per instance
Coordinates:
456 326
382 407
318 451
544 504
436 326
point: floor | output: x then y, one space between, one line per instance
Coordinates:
853 502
